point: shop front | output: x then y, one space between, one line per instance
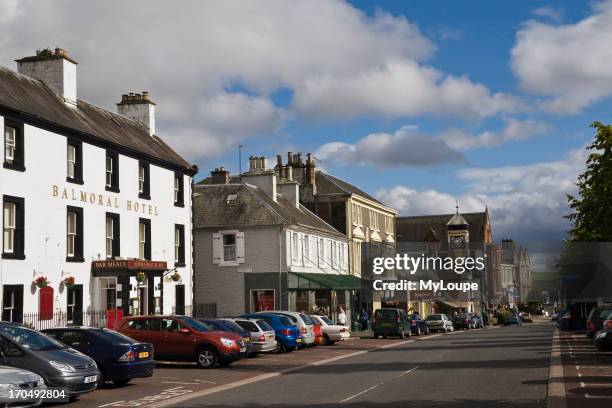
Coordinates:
131 287
324 294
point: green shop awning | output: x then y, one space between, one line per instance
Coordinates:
300 280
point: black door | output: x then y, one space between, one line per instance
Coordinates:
75 305
179 298
12 303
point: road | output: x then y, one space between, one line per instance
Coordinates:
502 367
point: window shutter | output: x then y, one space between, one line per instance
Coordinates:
312 250
217 248
240 247
288 246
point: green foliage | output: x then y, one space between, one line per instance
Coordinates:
592 209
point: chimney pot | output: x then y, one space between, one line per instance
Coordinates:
289 158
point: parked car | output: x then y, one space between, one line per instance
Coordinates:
304 324
526 318
603 338
389 321
439 322
596 317
418 325
332 332
58 364
119 358
287 333
463 321
15 379
263 337
318 332
232 327
183 338
513 320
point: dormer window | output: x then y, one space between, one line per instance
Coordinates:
231 199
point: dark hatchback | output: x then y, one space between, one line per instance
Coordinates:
596 318
418 324
391 322
119 358
58 364
232 327
463 321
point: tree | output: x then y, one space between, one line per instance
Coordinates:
591 215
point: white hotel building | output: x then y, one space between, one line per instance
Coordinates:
93 201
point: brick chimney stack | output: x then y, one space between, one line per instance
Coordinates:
138 107
220 176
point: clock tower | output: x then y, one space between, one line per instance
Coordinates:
458 235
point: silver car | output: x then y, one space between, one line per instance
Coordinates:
439 322
263 337
302 321
14 380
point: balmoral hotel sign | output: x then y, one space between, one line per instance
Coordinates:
102 200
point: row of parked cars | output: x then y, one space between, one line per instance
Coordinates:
83 358
396 322
599 327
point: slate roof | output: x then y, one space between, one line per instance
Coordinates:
38 103
328 184
251 208
419 228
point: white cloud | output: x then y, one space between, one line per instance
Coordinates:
397 89
548 12
525 202
405 147
514 130
569 63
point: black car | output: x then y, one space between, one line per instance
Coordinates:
391 322
232 327
603 338
119 358
464 321
418 325
596 317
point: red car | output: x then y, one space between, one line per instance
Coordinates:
182 338
318 332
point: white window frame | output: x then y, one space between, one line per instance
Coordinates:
141 178
110 236
71 235
294 248
71 161
10 308
234 245
305 248
357 256
177 243
142 239
9 216
10 145
109 171
321 251
177 188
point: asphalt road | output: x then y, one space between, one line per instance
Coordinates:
502 367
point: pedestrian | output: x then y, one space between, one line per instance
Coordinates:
364 320
341 316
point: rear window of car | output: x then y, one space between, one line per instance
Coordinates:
307 319
434 317
386 314
286 321
248 326
604 313
114 337
265 326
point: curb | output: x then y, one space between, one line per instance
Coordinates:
556 380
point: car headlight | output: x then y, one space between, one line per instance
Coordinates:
66 368
227 342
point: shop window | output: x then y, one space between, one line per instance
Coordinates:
262 300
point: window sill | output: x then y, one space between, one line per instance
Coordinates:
229 263
74 180
75 259
179 264
14 166
144 196
179 205
6 255
112 189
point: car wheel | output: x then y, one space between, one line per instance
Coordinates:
418 332
328 342
207 357
426 329
121 382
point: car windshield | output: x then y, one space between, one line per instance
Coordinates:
194 324
386 314
248 326
326 320
114 337
232 326
265 326
31 339
434 317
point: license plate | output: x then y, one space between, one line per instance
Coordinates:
90 379
242 349
247 340
143 354
298 340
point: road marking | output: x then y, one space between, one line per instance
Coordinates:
597 396
556 384
112 403
407 371
360 393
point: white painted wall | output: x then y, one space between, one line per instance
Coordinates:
45 217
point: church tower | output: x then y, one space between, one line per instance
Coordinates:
458 235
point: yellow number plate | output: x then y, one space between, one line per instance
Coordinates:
143 354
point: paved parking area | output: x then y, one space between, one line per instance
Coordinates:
172 380
587 372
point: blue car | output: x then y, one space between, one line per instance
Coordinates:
418 325
287 333
119 358
232 327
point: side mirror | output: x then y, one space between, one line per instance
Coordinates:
184 330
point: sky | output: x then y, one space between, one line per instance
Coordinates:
419 103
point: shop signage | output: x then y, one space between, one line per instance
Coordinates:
129 264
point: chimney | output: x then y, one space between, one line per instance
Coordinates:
311 169
288 187
220 176
138 107
55 69
260 177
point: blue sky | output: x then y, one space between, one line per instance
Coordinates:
419 103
